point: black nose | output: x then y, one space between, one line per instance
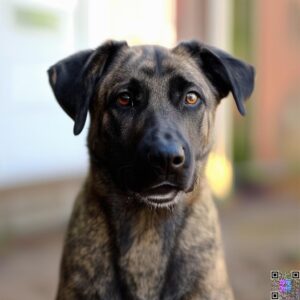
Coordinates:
168 157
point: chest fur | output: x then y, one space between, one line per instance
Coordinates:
143 266
145 243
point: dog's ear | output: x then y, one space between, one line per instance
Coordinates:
74 78
226 73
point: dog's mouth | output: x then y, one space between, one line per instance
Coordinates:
161 195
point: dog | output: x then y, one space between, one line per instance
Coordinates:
144 226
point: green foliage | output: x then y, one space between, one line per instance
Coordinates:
243 48
33 17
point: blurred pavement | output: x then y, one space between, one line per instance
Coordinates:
260 234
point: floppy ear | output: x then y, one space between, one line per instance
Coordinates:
226 73
74 78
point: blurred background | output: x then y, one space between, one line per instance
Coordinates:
254 170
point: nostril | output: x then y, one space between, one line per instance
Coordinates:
178 161
178 158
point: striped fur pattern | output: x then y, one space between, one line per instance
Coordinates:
119 244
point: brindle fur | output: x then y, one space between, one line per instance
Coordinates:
116 246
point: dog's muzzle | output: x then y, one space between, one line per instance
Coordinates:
163 167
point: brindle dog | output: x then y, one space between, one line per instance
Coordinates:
144 225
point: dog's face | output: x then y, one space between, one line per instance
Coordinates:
151 109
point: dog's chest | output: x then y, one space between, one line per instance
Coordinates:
145 249
144 265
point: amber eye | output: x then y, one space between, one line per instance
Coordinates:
124 100
191 98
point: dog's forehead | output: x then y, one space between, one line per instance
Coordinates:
151 60
155 61
156 65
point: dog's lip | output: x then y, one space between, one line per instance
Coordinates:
164 194
161 195
165 200
161 190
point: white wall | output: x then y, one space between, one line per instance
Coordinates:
35 135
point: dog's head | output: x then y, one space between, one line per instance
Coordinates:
151 109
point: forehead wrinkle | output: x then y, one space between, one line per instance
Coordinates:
159 57
148 65
156 62
135 56
152 70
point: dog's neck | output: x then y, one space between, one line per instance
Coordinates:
122 210
140 235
